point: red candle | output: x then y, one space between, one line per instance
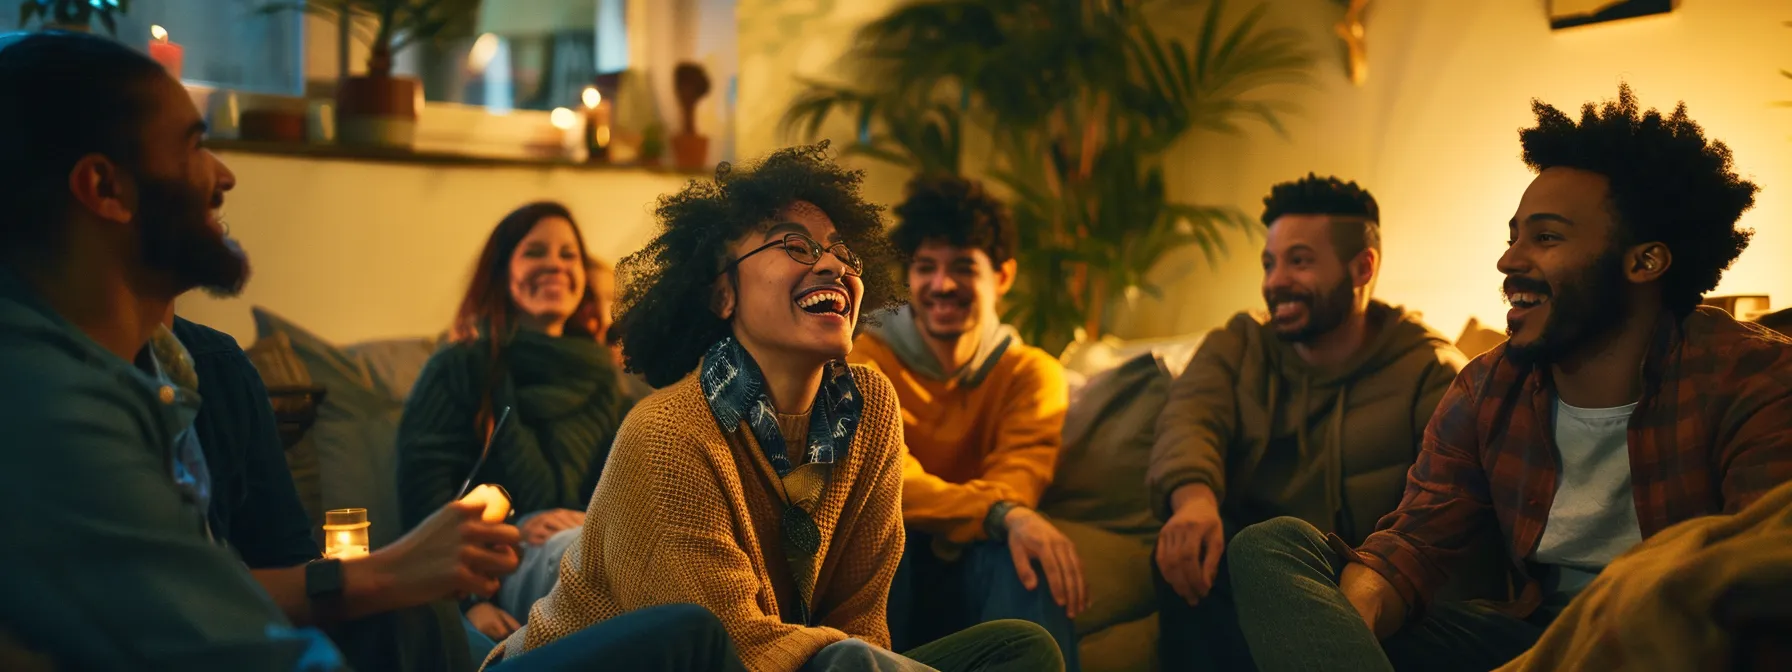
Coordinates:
163 51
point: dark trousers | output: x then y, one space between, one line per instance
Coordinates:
996 646
425 637
1202 637
1291 611
668 638
932 598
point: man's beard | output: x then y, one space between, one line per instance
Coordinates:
177 240
1581 311
1325 312
973 319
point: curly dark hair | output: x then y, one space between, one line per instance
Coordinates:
955 210
664 317
1668 184
1315 195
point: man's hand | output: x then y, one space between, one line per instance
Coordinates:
1190 545
1032 537
452 554
491 621
540 526
1375 599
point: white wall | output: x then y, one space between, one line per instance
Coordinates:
1433 133
355 250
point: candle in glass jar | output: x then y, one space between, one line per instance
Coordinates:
345 533
165 52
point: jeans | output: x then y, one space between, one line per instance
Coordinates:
931 598
535 576
668 638
996 646
1295 617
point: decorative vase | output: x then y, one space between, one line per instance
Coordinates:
690 151
378 109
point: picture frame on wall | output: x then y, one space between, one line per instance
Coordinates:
1576 13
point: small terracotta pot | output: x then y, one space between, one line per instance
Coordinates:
690 151
378 111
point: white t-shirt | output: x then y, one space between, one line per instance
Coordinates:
1593 518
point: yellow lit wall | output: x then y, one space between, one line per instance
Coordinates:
356 251
1434 134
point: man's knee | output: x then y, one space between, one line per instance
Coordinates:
1018 641
687 621
1276 536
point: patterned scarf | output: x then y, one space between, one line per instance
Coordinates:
735 388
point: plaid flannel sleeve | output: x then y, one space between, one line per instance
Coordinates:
1757 457
1447 503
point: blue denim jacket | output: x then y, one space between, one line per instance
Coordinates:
108 562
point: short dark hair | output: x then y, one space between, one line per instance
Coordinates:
664 318
1668 184
957 211
63 96
1359 225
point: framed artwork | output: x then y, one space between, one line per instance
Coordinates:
1573 13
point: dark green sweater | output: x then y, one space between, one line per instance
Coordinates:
566 405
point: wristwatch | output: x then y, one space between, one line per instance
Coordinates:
995 523
323 587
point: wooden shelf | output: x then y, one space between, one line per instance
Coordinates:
407 156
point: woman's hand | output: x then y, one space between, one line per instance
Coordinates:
544 524
491 621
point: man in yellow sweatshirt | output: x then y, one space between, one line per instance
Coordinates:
1316 412
983 417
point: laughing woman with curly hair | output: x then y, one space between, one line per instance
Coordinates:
763 479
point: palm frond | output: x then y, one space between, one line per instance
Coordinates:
1080 99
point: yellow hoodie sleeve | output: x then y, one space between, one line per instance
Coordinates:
1017 468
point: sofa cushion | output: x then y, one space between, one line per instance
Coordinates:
1108 434
1116 572
1122 647
281 369
355 436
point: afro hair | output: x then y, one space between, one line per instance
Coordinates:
664 320
955 210
1669 184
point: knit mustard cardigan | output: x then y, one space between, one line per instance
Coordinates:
681 514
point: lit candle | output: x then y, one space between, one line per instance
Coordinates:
345 533
496 500
597 124
163 51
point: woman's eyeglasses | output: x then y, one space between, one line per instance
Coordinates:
804 250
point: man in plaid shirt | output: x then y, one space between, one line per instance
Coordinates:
1618 407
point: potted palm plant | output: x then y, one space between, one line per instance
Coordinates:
378 108
1080 100
73 15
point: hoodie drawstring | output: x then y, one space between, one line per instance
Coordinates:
1334 470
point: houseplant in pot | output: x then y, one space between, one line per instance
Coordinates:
690 151
378 108
1079 103
73 15
653 145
